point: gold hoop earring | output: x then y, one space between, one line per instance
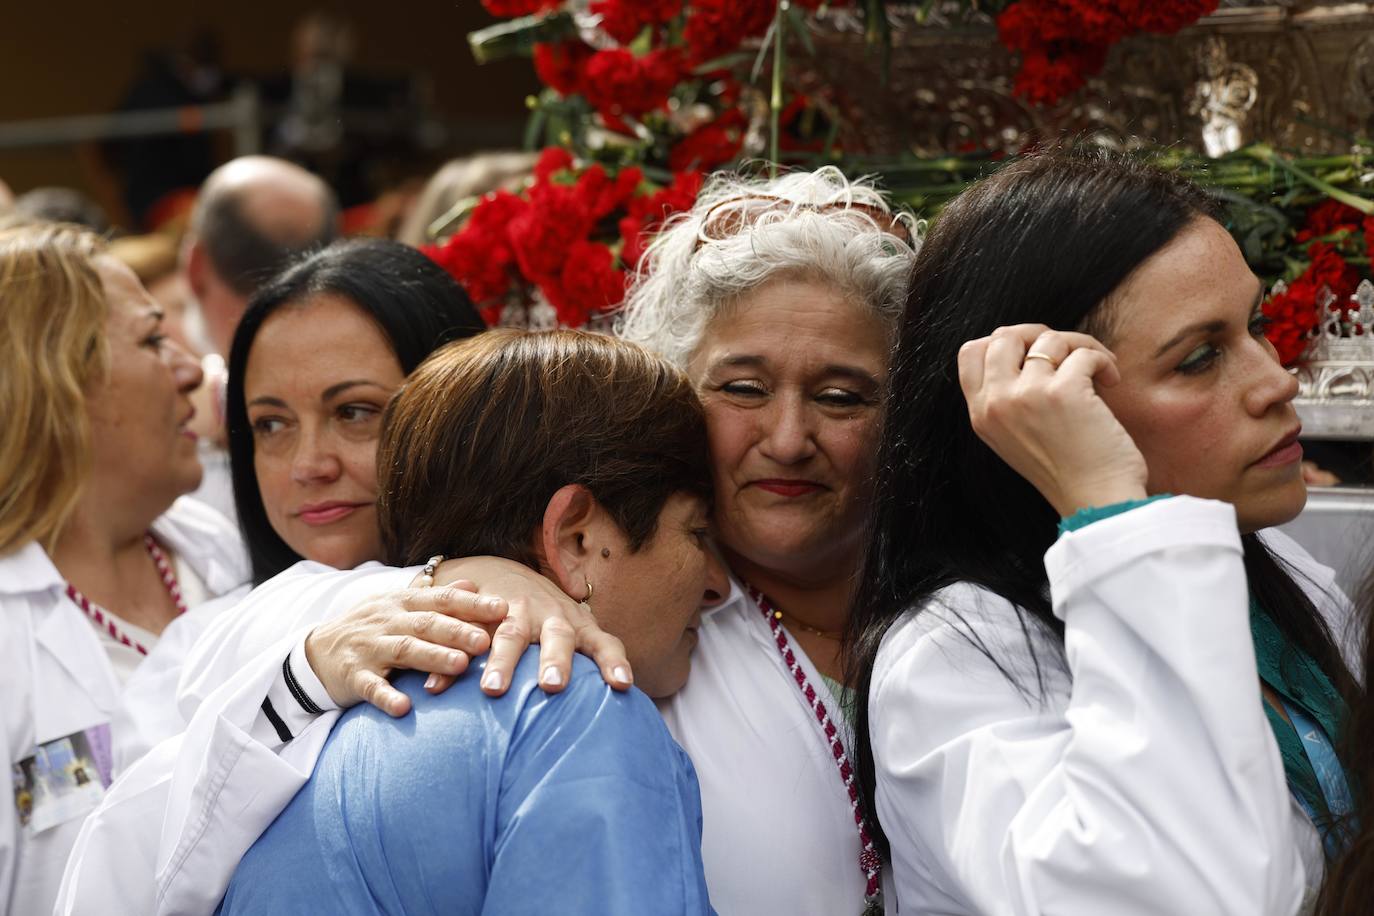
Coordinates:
589 590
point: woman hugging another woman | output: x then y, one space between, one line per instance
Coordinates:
584 458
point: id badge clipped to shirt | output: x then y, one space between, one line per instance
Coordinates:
63 779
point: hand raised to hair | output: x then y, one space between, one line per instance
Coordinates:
1032 397
539 612
436 630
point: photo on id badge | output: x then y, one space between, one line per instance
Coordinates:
63 779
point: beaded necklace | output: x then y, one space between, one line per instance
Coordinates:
103 617
869 862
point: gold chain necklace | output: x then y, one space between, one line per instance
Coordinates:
814 631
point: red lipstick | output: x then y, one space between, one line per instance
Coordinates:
788 488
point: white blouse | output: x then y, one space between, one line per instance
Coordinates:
779 833
60 699
1146 779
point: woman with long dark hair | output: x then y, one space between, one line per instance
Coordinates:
1075 694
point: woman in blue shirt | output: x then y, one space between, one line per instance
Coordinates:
585 458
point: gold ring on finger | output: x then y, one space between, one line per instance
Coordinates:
1048 359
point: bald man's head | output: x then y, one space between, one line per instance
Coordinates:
254 215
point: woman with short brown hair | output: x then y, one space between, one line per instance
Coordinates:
583 457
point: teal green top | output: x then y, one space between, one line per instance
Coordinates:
1085 517
1286 669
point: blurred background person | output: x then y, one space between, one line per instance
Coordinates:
62 205
159 172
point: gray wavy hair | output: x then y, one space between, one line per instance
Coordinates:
743 232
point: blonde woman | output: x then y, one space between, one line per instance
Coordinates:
97 553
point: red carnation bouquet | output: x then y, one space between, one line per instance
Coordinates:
638 105
1062 42
557 255
1337 239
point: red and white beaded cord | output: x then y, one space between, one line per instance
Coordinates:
869 862
104 618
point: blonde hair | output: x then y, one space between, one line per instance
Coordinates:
52 345
742 232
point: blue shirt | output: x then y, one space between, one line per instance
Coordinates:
580 802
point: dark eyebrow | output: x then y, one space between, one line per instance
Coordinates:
334 391
1209 327
330 393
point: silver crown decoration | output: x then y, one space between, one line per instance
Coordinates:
1336 378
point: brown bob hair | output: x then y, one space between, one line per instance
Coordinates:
487 429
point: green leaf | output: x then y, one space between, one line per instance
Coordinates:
796 21
517 37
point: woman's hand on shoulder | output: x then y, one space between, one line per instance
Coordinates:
1032 397
539 612
436 630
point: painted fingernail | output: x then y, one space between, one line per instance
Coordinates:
491 680
622 674
431 682
552 677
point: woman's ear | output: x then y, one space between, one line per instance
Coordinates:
563 538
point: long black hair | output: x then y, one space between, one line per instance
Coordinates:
1046 240
414 302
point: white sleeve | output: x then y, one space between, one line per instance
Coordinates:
147 712
170 832
1146 780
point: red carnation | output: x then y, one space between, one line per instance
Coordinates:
588 283
1293 313
710 144
623 20
1333 271
1292 316
541 235
1062 42
601 196
479 255
560 66
552 159
716 27
616 82
1328 217
646 213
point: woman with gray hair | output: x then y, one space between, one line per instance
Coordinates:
779 298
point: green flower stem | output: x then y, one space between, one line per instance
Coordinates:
775 100
1265 154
